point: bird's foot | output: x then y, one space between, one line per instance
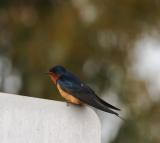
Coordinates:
68 104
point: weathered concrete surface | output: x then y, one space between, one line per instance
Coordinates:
33 120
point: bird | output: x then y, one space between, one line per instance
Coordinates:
75 91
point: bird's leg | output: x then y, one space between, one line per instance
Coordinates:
68 103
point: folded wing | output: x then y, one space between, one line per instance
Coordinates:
84 93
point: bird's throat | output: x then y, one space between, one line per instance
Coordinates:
54 77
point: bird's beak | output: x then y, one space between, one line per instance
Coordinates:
47 73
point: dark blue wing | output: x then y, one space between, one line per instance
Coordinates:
80 90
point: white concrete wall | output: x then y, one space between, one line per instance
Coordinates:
33 120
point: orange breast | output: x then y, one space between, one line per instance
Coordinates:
68 96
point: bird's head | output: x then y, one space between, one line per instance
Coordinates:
56 72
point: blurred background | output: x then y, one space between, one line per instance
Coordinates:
112 45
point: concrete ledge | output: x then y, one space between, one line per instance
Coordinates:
33 120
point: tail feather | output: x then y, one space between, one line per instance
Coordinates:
108 110
99 106
121 118
107 104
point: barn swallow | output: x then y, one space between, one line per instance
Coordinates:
76 91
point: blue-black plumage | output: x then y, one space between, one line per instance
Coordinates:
76 91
